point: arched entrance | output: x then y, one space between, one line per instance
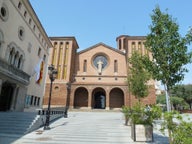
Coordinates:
99 99
6 96
81 98
116 99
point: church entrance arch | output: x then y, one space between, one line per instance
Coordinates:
116 99
6 96
81 98
99 98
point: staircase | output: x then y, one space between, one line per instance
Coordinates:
17 123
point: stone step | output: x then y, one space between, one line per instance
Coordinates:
16 122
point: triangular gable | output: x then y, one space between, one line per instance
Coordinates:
99 44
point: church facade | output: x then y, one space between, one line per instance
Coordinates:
96 77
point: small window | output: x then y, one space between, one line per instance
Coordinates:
38 101
19 5
67 44
115 66
25 13
34 27
21 33
44 57
39 52
139 47
85 66
133 47
30 21
120 44
4 12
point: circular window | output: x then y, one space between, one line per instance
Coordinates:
100 62
4 12
21 33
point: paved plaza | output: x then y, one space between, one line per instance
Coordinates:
84 128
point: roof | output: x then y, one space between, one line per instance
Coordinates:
94 46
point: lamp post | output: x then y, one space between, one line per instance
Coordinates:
52 75
68 85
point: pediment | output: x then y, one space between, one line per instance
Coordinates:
100 46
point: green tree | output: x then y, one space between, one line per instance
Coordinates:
183 91
138 76
169 51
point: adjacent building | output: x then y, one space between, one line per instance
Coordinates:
24 52
96 77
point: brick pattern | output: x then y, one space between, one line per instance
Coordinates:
84 84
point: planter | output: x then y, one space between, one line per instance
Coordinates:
142 133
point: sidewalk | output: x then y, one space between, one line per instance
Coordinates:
84 128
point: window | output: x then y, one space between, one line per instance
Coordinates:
19 62
120 44
38 101
31 100
115 66
21 33
44 57
100 60
139 47
16 59
133 47
39 52
67 44
34 27
25 13
85 66
19 5
30 21
11 55
4 12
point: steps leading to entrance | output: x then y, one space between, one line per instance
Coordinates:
95 110
16 122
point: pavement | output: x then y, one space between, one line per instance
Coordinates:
84 128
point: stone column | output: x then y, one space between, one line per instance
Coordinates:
89 99
107 100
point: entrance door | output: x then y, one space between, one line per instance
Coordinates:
6 96
100 100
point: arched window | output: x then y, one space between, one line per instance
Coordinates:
120 44
11 55
16 57
85 66
19 62
115 66
139 47
133 47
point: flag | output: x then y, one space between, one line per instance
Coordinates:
39 71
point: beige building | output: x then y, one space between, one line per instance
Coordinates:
95 77
24 47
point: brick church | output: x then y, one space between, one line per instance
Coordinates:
96 77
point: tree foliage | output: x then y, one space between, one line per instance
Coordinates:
138 76
169 49
183 91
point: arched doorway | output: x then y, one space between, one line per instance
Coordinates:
99 99
6 96
81 98
116 99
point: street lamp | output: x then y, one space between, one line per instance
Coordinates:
68 85
52 75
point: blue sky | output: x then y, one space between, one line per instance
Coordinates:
94 21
